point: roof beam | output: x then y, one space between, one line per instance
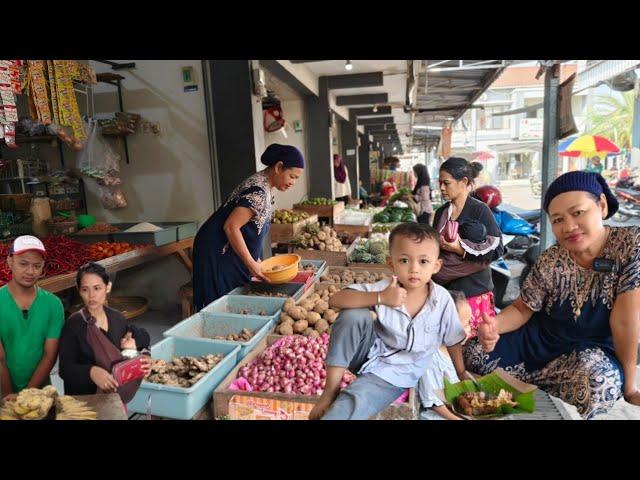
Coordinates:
367 99
368 111
306 61
357 80
375 121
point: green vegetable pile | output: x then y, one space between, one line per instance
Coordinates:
395 215
289 216
399 194
370 251
319 201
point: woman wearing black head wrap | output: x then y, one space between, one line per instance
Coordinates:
573 331
227 247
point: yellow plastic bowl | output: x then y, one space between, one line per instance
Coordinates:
287 268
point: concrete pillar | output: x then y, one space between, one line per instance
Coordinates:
349 137
318 122
238 135
363 162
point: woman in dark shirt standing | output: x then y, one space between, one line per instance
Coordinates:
78 365
456 177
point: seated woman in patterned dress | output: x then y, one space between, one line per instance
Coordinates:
574 329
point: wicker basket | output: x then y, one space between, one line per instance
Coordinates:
130 307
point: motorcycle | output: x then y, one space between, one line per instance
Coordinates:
536 184
521 229
629 204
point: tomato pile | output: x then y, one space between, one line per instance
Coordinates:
102 250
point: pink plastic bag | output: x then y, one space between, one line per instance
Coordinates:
242 384
403 398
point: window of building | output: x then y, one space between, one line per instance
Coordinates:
488 121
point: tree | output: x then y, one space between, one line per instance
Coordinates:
612 117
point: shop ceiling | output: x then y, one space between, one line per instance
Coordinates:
406 103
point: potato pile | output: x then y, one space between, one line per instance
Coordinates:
348 276
245 336
31 404
182 371
311 317
316 238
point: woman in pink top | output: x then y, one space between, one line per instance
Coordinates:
422 193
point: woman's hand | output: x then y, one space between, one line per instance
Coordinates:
103 379
10 397
128 342
454 246
488 333
145 363
256 270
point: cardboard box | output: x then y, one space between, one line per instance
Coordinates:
330 212
242 405
284 232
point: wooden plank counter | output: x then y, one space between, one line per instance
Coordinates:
108 406
131 259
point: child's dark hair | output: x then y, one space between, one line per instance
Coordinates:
416 231
94 268
458 296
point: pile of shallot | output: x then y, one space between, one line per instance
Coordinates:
292 365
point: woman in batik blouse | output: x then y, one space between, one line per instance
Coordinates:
228 247
574 329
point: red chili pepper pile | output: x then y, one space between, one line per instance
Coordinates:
63 256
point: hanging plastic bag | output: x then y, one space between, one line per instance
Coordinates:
97 159
112 198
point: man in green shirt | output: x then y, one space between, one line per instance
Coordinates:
31 320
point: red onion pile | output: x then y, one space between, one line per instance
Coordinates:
293 365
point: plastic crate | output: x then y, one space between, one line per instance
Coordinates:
183 403
258 307
207 325
292 289
321 265
168 234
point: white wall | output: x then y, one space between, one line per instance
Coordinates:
293 110
169 177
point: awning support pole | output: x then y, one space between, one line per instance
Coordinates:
549 146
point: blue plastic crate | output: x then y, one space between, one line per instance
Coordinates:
183 403
208 325
258 307
321 265
291 289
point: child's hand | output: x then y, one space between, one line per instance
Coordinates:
128 342
393 295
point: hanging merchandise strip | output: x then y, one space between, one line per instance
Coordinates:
8 110
38 84
73 67
53 91
68 104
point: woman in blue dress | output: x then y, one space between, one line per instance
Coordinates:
574 329
227 248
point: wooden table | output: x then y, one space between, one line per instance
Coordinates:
134 258
108 406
